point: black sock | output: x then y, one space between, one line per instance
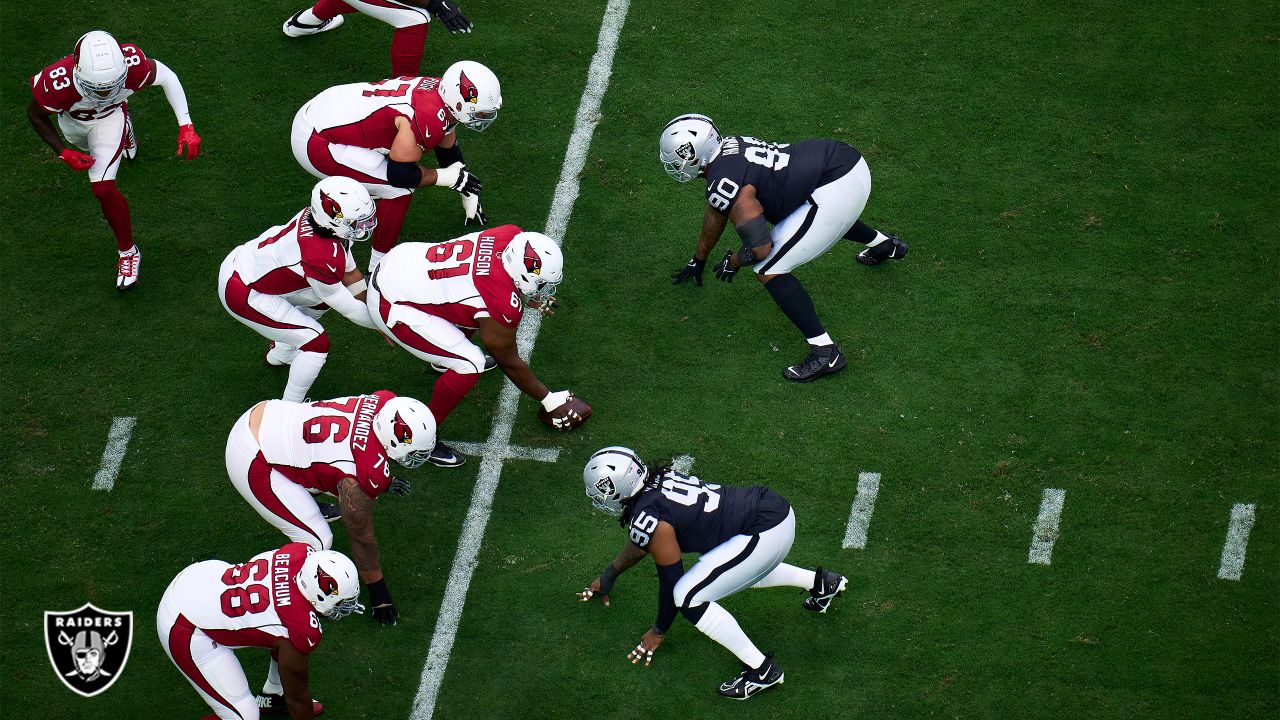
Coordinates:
861 233
796 304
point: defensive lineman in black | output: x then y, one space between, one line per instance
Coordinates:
742 533
811 192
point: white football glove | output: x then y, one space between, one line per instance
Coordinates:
554 400
459 178
471 206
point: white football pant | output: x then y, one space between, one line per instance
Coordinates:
392 12
816 226
324 159
102 138
428 337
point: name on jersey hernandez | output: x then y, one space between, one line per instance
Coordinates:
364 422
280 579
484 256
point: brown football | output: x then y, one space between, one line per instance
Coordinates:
577 408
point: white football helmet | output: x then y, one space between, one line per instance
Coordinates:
329 581
99 71
342 206
407 429
535 263
687 145
613 475
472 94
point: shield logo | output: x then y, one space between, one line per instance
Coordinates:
88 647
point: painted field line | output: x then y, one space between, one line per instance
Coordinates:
113 454
1237 538
566 194
683 464
510 452
1045 531
864 503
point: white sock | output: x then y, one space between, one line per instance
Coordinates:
880 237
272 686
131 251
788 576
375 257
309 17
302 373
719 625
821 340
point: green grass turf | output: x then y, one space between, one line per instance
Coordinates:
1090 304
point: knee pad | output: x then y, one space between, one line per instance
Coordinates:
319 344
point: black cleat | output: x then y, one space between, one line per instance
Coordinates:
330 512
822 360
749 682
891 249
276 705
444 456
827 586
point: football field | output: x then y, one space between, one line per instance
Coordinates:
1050 470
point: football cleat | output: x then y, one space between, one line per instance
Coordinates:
827 586
444 456
891 249
278 355
297 27
749 682
489 364
331 512
276 705
130 140
127 269
821 361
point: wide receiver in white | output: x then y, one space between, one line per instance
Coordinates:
410 18
281 454
89 91
430 298
274 601
281 282
377 132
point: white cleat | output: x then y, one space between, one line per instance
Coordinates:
127 269
298 26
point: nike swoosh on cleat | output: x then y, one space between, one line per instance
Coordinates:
833 362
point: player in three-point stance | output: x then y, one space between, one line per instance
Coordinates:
430 298
281 454
811 192
274 601
89 91
743 534
410 18
280 283
375 133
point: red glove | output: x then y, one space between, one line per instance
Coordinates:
187 136
75 159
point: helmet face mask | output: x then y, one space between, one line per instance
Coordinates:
687 145
612 476
472 93
329 581
99 72
407 430
343 207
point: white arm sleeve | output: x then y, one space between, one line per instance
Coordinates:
339 298
173 92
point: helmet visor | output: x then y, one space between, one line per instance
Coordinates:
362 228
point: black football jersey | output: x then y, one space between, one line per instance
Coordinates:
704 515
784 175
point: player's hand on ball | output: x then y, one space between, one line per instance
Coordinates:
592 591
564 411
692 269
646 648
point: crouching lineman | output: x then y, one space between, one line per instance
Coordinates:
274 601
430 298
89 92
281 454
376 133
742 533
410 18
811 192
281 282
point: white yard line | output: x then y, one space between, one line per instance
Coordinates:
1045 531
499 444
864 503
683 464
510 452
1237 539
113 454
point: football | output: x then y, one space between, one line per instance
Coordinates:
568 416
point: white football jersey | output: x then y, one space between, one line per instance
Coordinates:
280 260
317 444
364 114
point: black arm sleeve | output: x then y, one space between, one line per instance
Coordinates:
755 233
668 576
446 156
403 174
607 576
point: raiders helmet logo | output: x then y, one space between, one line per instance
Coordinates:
470 92
401 429
605 486
330 206
532 263
88 647
685 152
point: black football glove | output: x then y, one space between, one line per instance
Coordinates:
399 487
467 183
451 15
692 269
384 610
725 271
